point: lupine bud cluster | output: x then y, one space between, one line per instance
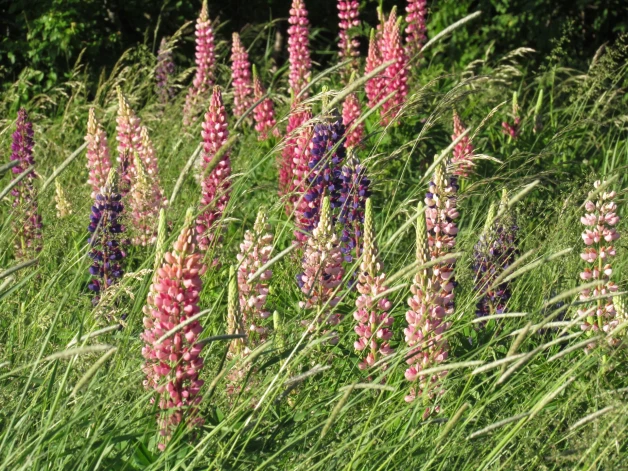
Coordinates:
351 111
240 77
322 271
254 253
164 72
599 236
375 85
205 65
463 151
298 48
354 191
216 185
98 161
129 138
348 45
395 77
26 221
372 315
416 15
264 112
492 254
105 230
62 204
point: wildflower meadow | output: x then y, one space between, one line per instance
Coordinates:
351 235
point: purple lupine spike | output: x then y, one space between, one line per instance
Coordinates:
354 191
26 221
105 230
416 30
348 45
164 72
240 77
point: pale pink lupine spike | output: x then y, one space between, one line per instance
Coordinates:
173 365
129 137
240 77
600 221
395 77
264 112
351 111
348 45
216 186
205 66
299 48
416 17
98 160
463 152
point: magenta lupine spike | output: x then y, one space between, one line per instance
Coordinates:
395 77
348 45
373 87
264 112
240 77
599 315
205 65
372 315
216 185
164 72
416 16
462 160
351 112
254 253
26 220
172 365
98 161
322 272
299 48
129 139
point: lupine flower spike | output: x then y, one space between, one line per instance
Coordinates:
205 65
395 77
240 77
254 253
416 16
105 230
98 161
463 152
513 130
492 254
216 185
26 220
173 364
264 113
129 139
149 159
144 212
354 191
374 85
297 130
348 45
62 204
164 72
299 48
351 111
322 272
374 321
601 217
238 348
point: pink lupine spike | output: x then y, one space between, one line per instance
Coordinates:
216 185
395 77
98 161
416 15
373 87
351 111
299 48
264 113
599 236
129 138
151 165
372 315
205 66
348 45
463 152
297 121
173 365
240 77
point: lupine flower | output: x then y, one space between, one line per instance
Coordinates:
348 45
297 126
216 185
432 302
238 347
298 48
205 65
374 322
492 254
264 112
26 220
463 152
254 253
105 231
600 234
149 160
144 210
300 182
173 365
416 30
374 85
513 130
322 271
354 191
98 161
62 204
163 72
240 77
129 138
395 77
351 112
